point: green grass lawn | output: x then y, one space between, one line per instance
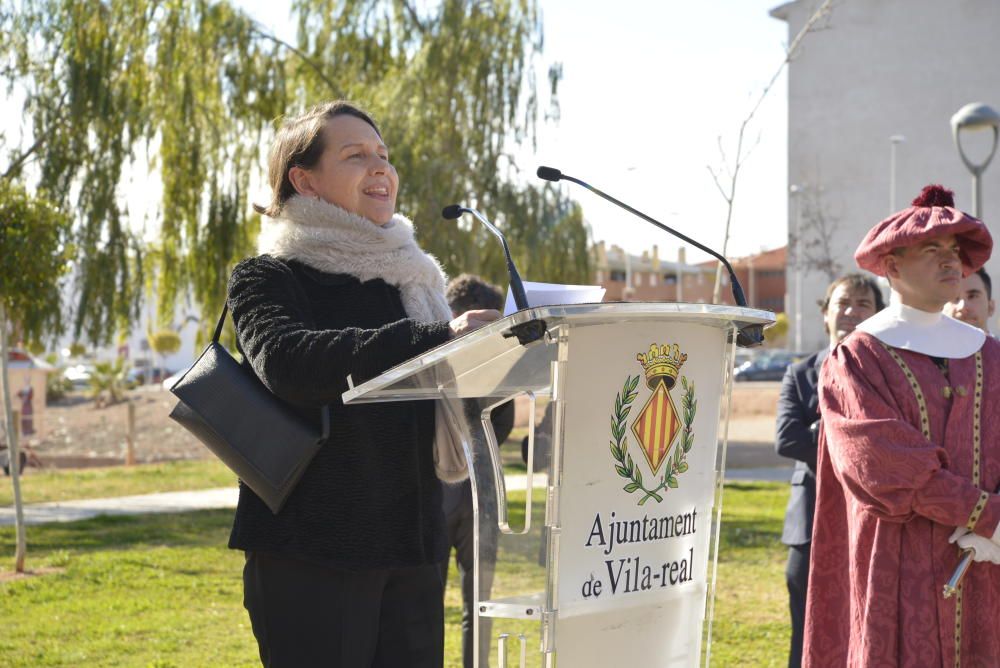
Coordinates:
162 590
38 486
752 624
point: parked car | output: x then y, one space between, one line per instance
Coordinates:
79 374
742 357
144 375
769 365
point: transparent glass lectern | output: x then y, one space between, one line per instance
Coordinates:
595 545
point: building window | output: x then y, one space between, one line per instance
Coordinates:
617 275
652 280
600 276
770 273
670 279
772 303
637 280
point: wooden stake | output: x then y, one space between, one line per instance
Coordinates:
130 437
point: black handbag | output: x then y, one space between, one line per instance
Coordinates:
257 435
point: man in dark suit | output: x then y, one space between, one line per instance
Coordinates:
849 300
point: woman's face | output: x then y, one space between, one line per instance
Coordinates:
353 172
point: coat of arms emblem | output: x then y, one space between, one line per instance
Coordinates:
663 434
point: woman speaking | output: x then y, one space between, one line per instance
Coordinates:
346 574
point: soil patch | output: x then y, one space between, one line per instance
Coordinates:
75 433
755 399
13 576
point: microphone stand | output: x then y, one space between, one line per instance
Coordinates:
526 332
747 337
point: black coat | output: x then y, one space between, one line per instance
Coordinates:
370 498
798 410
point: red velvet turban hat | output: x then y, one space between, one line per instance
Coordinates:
932 214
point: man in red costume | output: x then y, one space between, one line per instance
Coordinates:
909 454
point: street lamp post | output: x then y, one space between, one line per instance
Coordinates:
795 194
976 116
894 141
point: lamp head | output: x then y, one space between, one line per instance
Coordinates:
975 116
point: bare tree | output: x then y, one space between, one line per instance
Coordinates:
816 252
742 153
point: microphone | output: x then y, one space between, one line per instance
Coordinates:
454 211
749 336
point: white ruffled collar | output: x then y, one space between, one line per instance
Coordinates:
934 334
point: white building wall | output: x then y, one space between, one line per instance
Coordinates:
186 323
879 68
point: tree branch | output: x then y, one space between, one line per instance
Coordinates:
414 17
715 178
18 162
821 12
334 90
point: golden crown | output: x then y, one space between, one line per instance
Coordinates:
662 363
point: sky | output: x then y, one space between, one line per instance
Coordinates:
649 87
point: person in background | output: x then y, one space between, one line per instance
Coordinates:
909 458
27 397
849 300
469 293
975 303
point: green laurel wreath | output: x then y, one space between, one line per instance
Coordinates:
625 467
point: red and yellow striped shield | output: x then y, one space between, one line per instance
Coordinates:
657 427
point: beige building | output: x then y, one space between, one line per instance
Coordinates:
880 77
648 277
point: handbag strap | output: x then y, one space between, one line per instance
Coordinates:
222 321
324 411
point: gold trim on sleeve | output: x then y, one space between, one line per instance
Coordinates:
977 511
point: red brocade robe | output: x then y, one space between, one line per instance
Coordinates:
888 498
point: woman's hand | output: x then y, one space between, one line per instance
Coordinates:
471 320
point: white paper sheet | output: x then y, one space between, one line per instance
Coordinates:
553 294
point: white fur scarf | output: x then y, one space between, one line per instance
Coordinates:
331 239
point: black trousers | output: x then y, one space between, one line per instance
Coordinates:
306 615
797 577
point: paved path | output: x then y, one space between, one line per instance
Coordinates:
166 502
776 474
225 497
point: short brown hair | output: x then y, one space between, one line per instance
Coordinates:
469 292
299 142
987 281
854 282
